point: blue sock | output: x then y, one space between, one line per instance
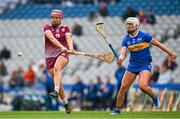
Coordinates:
153 96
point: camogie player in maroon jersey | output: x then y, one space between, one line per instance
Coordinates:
57 41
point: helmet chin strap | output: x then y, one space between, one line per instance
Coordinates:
131 32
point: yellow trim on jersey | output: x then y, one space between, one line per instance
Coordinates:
138 46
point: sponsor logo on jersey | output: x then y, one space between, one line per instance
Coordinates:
57 35
139 39
62 30
133 41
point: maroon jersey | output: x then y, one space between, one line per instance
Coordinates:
59 33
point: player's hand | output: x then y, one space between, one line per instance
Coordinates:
71 51
63 49
119 60
172 56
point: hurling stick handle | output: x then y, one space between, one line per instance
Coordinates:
85 54
114 52
93 55
76 53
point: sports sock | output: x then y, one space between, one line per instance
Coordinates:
56 88
65 101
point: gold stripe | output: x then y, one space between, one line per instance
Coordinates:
139 46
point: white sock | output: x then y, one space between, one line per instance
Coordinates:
56 88
59 99
65 101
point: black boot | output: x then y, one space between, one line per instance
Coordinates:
54 94
67 108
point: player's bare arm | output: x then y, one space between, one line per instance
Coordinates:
122 55
69 42
50 36
171 54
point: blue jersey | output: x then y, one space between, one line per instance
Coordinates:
138 47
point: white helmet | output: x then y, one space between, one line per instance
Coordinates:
134 21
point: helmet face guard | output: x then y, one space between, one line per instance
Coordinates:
134 21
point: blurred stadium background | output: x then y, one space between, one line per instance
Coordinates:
89 84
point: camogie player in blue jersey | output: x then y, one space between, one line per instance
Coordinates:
138 43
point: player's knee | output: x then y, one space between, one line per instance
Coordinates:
57 69
143 86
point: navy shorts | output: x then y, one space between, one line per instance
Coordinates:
135 68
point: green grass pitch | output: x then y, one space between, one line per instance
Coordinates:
87 115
